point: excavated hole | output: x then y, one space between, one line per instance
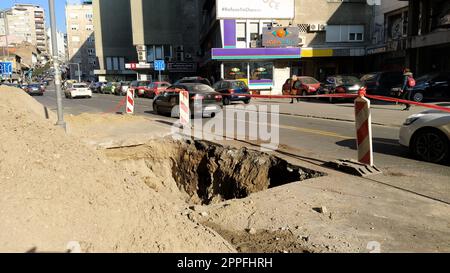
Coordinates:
211 173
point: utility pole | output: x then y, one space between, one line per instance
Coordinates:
60 121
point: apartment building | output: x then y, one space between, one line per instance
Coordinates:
61 40
81 40
139 32
266 45
25 23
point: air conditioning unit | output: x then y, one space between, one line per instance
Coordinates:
141 48
313 27
301 40
322 27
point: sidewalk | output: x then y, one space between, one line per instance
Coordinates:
386 114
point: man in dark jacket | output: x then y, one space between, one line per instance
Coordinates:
406 88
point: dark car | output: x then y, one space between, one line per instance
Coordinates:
168 101
193 80
35 89
233 90
382 83
432 87
96 87
341 84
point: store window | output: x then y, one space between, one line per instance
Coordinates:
235 71
260 72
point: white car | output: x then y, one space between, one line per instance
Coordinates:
427 135
76 90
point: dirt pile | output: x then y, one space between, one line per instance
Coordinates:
207 172
54 190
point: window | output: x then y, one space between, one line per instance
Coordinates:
261 71
89 16
344 33
159 52
254 31
74 27
91 39
89 27
241 31
235 71
91 51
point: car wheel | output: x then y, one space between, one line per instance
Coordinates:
156 109
247 101
430 145
226 101
418 97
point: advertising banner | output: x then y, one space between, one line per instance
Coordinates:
281 37
255 9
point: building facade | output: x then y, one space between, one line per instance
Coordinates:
429 31
81 40
25 23
139 32
266 46
61 40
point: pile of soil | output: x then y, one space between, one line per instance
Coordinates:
55 190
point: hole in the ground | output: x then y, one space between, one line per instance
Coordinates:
209 173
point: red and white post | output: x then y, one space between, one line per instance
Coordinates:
185 113
364 128
130 101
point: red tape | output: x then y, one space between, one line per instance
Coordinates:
117 107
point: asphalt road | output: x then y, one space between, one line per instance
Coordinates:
311 139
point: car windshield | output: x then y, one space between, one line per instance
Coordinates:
369 77
141 84
239 85
80 85
200 88
345 80
35 85
427 77
309 80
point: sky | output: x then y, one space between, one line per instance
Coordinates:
59 6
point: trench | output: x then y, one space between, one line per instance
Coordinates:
210 173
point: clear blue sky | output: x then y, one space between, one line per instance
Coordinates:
59 6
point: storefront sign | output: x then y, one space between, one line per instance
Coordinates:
182 67
255 53
255 9
281 37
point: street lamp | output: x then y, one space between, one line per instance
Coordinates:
79 72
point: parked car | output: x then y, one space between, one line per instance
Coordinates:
432 87
35 89
168 101
341 84
194 80
75 90
122 88
382 83
96 87
155 88
303 86
109 88
139 87
427 135
232 90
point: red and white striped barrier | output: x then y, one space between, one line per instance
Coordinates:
130 101
363 120
185 113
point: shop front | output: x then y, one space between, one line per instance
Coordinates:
263 69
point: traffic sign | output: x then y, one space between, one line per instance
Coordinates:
6 68
160 65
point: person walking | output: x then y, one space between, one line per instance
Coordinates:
408 84
293 90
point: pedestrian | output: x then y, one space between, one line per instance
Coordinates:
293 91
408 84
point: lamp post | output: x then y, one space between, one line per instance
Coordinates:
79 72
60 121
